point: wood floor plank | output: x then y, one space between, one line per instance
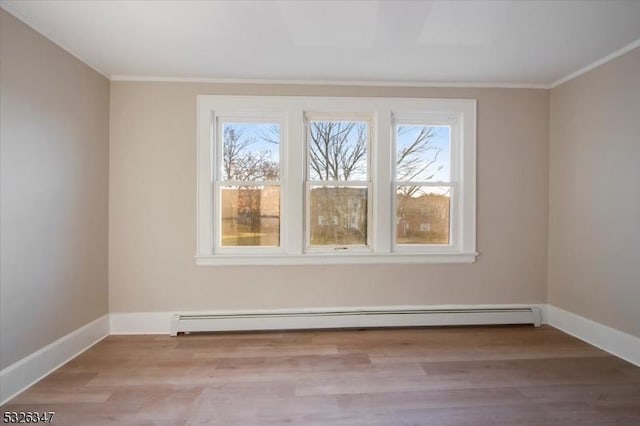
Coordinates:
463 376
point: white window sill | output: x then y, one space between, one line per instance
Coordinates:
328 259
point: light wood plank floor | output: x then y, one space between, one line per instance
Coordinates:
471 376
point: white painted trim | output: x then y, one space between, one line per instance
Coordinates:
124 323
324 258
26 372
373 83
140 322
595 64
609 339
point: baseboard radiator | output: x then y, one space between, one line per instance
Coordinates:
359 318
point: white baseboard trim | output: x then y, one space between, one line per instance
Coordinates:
140 322
161 322
609 339
24 373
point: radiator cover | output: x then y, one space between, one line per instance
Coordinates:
353 318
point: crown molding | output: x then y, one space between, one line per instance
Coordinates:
163 79
595 64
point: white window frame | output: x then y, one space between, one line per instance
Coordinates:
219 119
292 111
338 116
456 215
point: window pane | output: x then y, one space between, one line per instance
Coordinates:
423 153
250 151
338 150
338 215
422 214
250 216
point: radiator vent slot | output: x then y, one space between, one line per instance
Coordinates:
356 318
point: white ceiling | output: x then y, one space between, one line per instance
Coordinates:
497 42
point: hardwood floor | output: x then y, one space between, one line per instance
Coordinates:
471 376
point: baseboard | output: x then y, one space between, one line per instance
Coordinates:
160 322
24 373
609 339
140 322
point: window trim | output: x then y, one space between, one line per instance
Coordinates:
293 178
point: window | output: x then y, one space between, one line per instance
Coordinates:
295 180
338 184
247 186
424 181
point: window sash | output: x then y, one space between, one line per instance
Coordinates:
219 120
357 117
217 135
453 121
347 117
338 248
422 248
217 219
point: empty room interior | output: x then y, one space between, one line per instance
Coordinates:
320 212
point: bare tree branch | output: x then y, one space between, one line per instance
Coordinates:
240 163
337 150
417 158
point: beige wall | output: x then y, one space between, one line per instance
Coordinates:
54 183
152 212
594 229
